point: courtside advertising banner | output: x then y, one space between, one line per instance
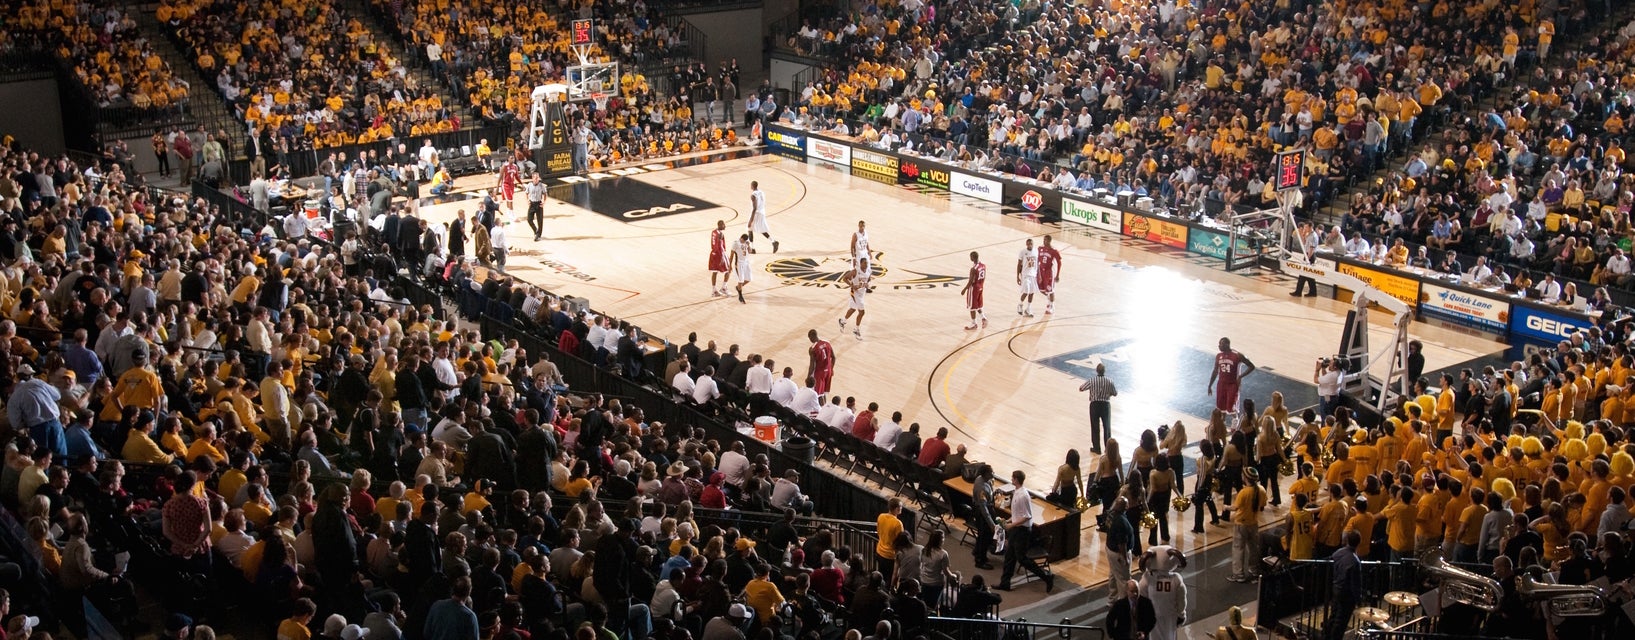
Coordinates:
980 188
1464 308
1095 215
786 142
828 151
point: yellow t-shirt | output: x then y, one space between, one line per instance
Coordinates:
1300 541
289 629
888 526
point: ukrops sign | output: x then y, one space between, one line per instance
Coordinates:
827 151
1464 308
786 143
977 187
1543 326
1095 215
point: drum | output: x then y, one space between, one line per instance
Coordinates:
766 429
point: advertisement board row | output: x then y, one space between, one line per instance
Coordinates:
1455 305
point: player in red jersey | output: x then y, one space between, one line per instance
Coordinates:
1050 273
510 177
973 291
718 259
1230 369
820 363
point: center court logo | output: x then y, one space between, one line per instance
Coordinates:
831 272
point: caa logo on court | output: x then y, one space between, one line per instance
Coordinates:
659 211
1032 200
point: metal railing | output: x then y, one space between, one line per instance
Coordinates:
835 497
1298 592
994 629
304 163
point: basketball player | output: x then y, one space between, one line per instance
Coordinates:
1231 368
1027 278
973 292
1050 273
820 363
859 279
757 215
740 263
860 243
510 177
718 259
1161 583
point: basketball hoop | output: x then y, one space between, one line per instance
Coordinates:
600 100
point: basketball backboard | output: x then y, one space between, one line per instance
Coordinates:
584 80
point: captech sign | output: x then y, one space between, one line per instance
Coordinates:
976 187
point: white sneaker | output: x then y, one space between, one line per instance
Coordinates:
858 332
970 327
1028 313
1050 309
842 322
1018 308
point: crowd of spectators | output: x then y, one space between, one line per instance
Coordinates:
309 76
1534 184
1183 100
495 55
111 57
268 418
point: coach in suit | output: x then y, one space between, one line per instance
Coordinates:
1131 617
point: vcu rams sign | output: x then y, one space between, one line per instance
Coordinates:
831 272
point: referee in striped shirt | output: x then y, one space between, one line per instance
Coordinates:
1101 408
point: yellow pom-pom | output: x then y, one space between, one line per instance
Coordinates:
1504 488
1622 464
1575 449
1532 446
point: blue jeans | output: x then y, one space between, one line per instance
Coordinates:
415 420
50 434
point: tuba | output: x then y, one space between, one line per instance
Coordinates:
1460 585
1564 600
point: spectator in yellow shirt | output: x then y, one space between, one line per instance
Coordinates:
139 445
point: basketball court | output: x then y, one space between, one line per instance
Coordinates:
636 246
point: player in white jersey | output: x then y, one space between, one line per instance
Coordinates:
1161 583
860 243
757 215
858 278
740 263
1027 279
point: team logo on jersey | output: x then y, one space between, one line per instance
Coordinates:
832 272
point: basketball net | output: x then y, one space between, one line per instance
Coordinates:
597 97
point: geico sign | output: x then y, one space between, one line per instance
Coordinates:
1549 326
658 211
